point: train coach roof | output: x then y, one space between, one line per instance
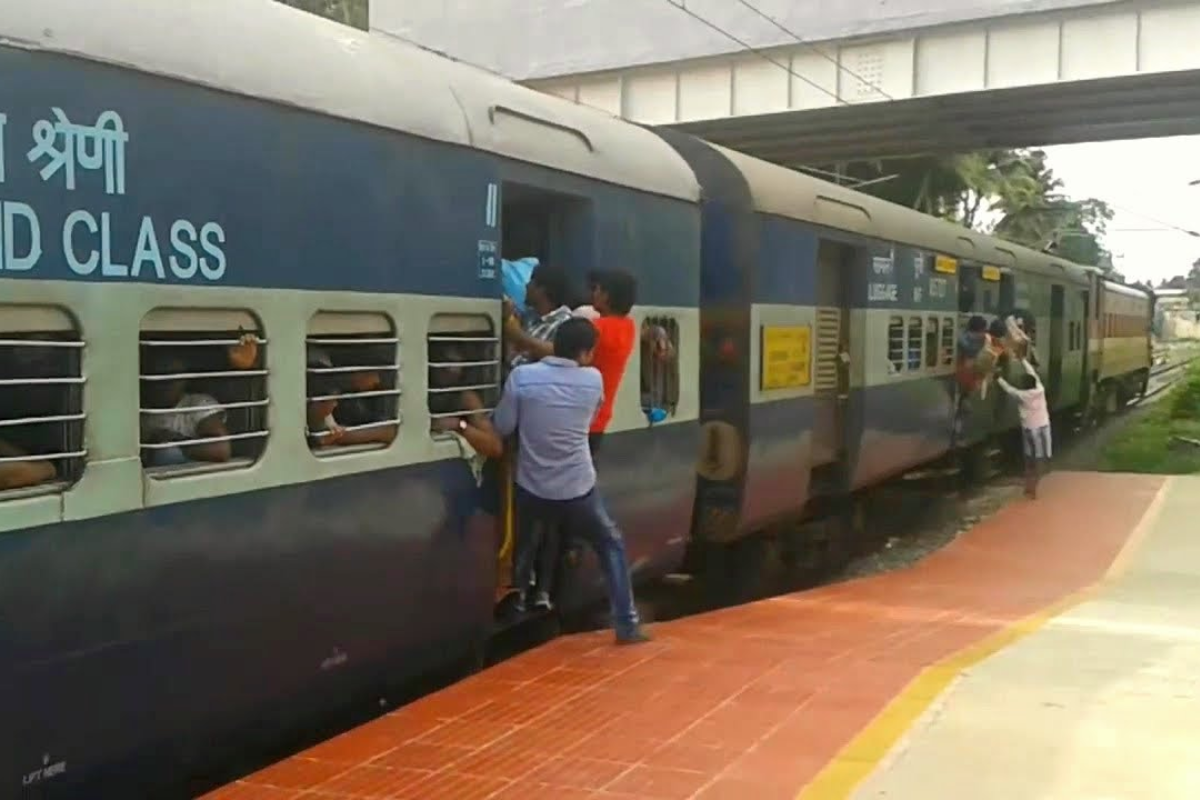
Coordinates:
263 49
1128 291
795 195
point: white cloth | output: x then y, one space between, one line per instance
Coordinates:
474 460
183 424
1031 402
587 312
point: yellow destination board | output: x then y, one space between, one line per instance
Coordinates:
945 264
786 356
990 273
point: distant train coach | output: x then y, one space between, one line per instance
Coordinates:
216 238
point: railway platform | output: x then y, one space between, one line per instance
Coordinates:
1049 652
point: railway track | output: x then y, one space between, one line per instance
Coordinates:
1163 377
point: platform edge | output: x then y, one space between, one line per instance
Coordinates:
863 754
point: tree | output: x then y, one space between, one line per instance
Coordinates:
1009 193
354 13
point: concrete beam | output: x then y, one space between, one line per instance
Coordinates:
1006 82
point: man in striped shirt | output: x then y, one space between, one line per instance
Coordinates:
546 294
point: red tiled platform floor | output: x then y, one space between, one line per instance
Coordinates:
747 703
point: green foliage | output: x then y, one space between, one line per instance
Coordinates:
1151 444
1015 185
348 12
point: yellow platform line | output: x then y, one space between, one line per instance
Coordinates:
863 754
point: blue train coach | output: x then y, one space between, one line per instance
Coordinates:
216 220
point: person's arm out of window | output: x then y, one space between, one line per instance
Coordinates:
210 427
383 434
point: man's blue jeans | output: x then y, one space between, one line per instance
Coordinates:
587 518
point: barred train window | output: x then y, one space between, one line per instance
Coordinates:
464 369
931 342
203 381
947 341
895 351
915 335
352 382
660 365
41 401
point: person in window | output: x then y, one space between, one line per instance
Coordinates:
194 415
546 294
613 295
658 353
550 406
321 401
456 410
29 401
332 418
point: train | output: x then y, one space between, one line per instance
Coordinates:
197 197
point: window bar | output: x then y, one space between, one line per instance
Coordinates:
45 457
210 440
179 376
218 406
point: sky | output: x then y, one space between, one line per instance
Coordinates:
1146 183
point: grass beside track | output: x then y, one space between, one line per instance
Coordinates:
1166 441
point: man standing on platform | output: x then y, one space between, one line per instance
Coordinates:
1035 424
551 405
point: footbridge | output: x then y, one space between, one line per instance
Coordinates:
805 82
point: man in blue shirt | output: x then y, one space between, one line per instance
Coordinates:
551 405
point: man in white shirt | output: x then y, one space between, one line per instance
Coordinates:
1035 424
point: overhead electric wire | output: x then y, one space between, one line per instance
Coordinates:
1163 222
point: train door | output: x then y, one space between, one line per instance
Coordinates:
832 353
1057 335
555 228
969 302
1085 361
1008 292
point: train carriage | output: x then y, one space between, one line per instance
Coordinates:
173 184
1121 352
848 311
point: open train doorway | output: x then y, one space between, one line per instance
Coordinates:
553 227
831 360
556 228
1057 335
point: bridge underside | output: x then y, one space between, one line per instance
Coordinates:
1131 107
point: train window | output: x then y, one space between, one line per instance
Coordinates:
203 381
352 382
41 401
916 329
931 342
947 341
660 364
895 344
968 280
463 354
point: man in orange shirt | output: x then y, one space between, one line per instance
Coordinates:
613 296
